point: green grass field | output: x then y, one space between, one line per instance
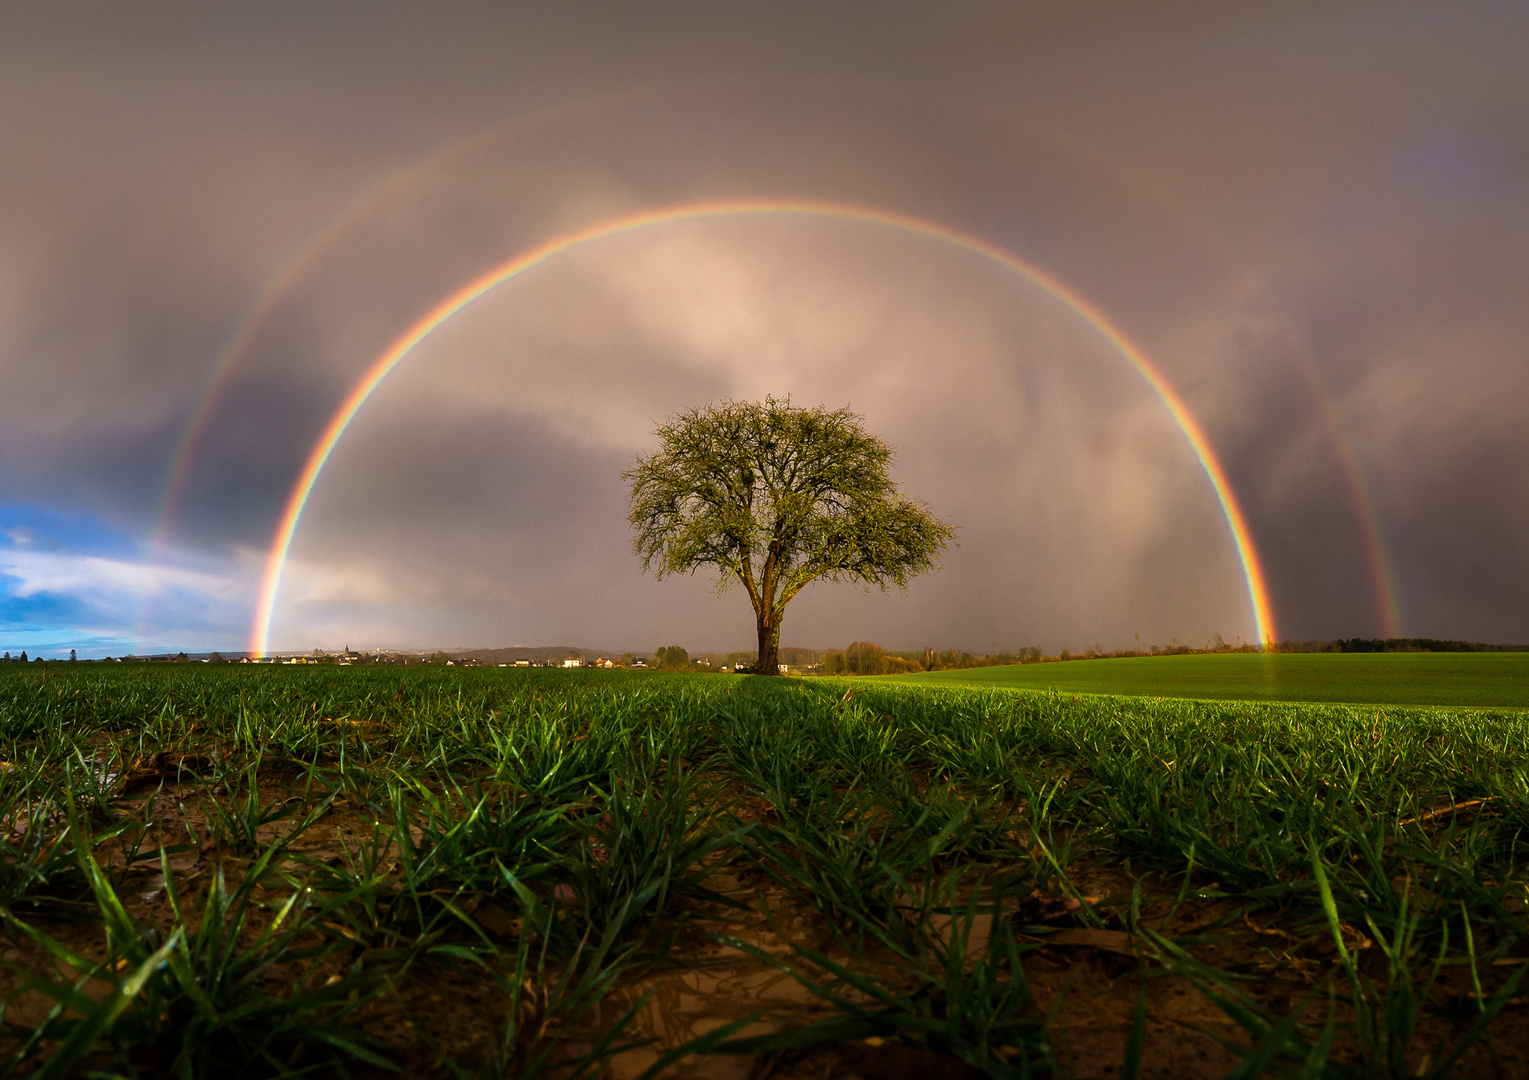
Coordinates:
1499 680
226 871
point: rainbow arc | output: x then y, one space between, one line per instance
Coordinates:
286 529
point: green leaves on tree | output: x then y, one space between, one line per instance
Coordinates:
776 497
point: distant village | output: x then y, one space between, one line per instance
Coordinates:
669 658
380 657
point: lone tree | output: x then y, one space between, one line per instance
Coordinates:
775 497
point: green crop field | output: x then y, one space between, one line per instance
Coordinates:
1477 679
242 871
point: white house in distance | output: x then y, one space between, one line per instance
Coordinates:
574 661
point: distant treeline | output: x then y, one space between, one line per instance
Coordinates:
868 658
1394 645
859 658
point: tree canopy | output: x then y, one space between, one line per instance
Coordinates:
776 497
671 658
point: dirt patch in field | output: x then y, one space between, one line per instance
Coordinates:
1084 965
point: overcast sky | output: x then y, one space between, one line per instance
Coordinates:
1312 218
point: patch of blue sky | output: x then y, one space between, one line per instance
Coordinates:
46 528
73 581
35 612
51 623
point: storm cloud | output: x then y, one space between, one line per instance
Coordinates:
213 221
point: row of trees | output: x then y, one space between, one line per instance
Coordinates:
1368 645
865 658
868 658
671 658
22 659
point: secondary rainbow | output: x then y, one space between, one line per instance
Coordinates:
280 286
1252 569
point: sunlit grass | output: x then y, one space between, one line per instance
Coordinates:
1484 680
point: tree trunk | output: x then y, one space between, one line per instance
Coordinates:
769 645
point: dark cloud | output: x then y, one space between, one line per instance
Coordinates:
1314 218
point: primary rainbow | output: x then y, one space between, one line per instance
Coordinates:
276 560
